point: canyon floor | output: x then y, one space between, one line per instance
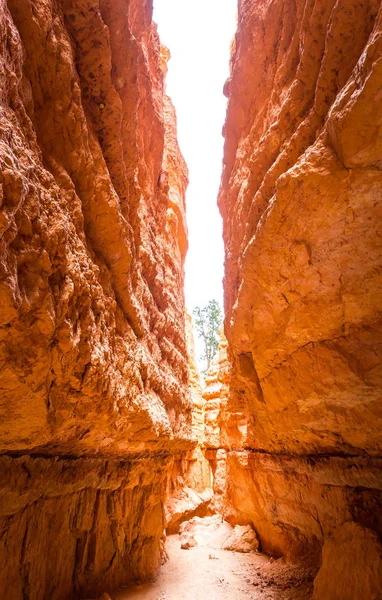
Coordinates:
205 574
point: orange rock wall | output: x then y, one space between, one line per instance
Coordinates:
217 414
300 200
75 527
93 360
189 490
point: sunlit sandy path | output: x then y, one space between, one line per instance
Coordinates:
205 574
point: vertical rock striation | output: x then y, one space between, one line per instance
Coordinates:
300 200
218 438
189 490
93 360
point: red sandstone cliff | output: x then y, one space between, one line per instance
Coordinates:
300 200
93 360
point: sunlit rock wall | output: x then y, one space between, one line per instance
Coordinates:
217 415
93 360
301 201
189 489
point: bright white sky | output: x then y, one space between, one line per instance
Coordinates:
198 34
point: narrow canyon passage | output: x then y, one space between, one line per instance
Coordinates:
201 573
109 443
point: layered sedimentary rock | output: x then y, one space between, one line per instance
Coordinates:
93 360
189 489
217 439
300 200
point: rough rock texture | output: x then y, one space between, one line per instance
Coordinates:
207 532
225 420
214 532
300 200
216 413
348 547
189 489
93 361
76 527
242 539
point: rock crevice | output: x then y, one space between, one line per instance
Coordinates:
106 437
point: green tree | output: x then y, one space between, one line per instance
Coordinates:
207 322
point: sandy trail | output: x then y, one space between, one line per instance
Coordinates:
205 574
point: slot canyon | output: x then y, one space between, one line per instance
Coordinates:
109 441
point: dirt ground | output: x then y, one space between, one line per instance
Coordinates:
205 574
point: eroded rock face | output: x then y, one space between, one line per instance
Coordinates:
93 232
216 415
300 199
242 539
207 532
93 359
72 528
353 549
189 489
